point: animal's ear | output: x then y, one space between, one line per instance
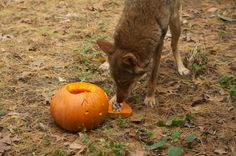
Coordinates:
129 59
106 46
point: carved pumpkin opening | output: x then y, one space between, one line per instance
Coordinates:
76 90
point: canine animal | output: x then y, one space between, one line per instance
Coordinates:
138 39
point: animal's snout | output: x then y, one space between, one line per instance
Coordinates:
121 96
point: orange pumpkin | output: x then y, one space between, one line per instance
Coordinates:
79 106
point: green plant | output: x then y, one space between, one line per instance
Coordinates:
3 111
158 144
175 136
121 122
46 140
45 30
118 148
190 137
58 152
223 35
95 150
175 151
196 60
175 122
228 82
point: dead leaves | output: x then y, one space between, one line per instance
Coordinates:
77 147
198 101
6 140
212 10
101 6
4 37
220 151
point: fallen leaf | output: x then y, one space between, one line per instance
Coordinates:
188 38
4 148
6 140
213 9
37 63
220 151
77 146
138 153
42 127
5 37
198 101
61 79
96 7
137 119
233 66
224 18
58 138
15 139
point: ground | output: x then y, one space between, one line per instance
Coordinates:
46 44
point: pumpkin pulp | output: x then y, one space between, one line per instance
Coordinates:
76 89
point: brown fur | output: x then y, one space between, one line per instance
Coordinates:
138 38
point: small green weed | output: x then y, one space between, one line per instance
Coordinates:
158 144
118 148
169 141
46 140
196 60
223 35
3 111
228 82
46 31
175 122
175 151
58 152
175 136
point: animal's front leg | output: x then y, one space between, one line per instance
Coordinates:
150 99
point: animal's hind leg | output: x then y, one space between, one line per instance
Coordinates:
175 29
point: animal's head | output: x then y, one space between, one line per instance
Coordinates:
124 68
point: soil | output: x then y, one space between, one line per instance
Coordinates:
47 44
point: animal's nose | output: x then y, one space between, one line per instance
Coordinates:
119 100
121 97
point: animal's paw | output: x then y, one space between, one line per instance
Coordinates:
183 71
104 66
150 101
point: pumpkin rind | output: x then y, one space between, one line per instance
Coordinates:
125 112
79 106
